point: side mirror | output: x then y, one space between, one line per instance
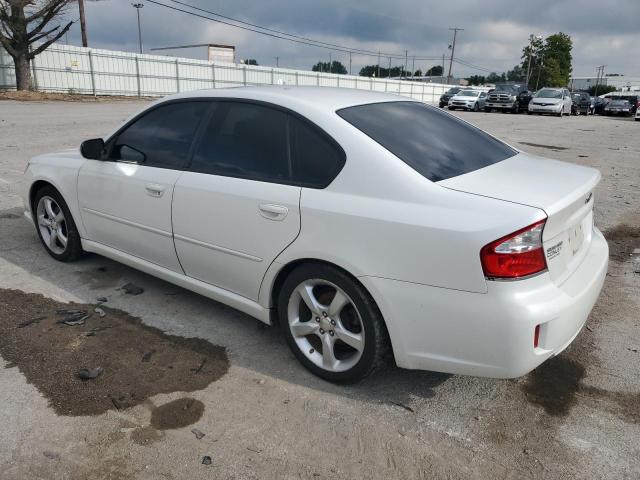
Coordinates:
92 149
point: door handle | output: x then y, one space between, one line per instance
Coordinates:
154 189
273 212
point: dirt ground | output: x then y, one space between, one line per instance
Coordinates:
264 416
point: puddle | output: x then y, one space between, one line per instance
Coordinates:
101 277
49 355
540 145
553 385
622 239
177 414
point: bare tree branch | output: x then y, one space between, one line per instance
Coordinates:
6 44
46 44
46 17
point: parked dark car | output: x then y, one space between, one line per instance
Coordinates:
446 96
599 104
633 99
581 103
618 107
509 97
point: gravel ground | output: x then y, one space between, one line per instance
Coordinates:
577 416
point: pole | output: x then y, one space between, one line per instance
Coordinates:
277 62
378 75
529 63
349 63
83 23
442 73
329 61
138 6
413 66
389 71
453 50
404 69
539 70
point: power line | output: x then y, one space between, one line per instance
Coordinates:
277 33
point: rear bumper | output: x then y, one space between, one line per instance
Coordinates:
490 334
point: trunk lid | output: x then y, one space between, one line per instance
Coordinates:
562 190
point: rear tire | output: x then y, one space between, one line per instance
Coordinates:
55 225
341 311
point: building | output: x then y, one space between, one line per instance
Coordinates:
621 82
205 51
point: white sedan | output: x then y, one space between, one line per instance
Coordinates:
358 222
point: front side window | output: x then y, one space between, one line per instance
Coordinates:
162 137
434 143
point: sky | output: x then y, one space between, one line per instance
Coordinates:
603 32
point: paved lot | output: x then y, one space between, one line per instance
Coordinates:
262 414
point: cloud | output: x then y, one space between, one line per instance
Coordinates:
494 30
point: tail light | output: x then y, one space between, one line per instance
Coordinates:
516 255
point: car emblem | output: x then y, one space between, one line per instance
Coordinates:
588 197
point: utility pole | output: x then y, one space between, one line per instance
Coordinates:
442 72
413 66
378 74
83 23
349 63
453 50
404 69
599 76
539 70
138 6
277 62
329 61
389 71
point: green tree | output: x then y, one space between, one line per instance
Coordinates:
517 74
477 80
435 71
602 89
334 67
557 59
493 77
418 73
372 71
250 61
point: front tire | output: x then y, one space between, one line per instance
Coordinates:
55 226
331 323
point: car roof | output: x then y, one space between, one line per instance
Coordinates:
324 98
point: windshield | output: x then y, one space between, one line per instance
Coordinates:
468 93
453 90
549 93
506 88
434 143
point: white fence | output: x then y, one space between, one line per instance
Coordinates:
71 69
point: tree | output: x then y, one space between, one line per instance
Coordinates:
334 67
602 89
417 73
435 71
477 80
518 74
372 71
25 22
493 77
557 59
250 61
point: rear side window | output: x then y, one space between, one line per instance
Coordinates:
434 143
162 137
316 158
262 143
245 140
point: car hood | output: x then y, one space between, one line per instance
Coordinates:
460 97
554 101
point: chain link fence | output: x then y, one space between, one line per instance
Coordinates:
78 70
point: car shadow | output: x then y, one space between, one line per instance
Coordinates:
250 343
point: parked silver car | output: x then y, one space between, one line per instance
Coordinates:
468 100
556 101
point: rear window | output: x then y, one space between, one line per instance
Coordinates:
434 143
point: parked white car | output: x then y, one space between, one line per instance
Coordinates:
356 221
468 100
556 101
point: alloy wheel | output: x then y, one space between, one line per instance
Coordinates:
326 325
52 225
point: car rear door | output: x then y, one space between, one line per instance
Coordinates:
125 200
237 207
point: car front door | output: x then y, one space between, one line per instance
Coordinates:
566 96
125 199
237 207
